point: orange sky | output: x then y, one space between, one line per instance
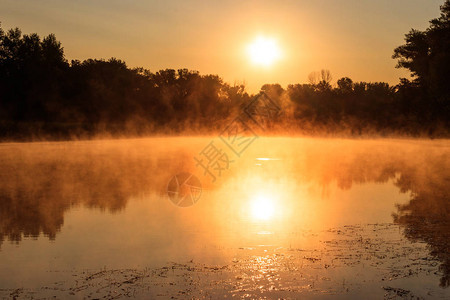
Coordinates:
353 38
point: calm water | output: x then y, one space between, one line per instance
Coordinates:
290 217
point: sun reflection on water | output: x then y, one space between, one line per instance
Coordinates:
262 207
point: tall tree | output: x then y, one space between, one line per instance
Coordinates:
427 55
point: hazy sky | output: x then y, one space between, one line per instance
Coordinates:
353 38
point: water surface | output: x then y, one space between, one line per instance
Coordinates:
289 217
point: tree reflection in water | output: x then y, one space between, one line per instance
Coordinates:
38 184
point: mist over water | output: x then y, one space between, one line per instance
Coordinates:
130 179
88 205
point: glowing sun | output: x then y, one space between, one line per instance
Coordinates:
263 51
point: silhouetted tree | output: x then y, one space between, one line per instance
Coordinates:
345 85
427 55
43 95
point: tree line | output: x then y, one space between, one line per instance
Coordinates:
43 95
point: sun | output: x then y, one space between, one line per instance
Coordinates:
264 51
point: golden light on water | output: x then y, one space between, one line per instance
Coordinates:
262 207
264 51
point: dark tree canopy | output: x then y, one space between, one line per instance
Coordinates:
44 96
427 55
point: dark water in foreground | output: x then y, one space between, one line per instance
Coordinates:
290 217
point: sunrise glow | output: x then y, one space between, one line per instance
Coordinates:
262 207
264 51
